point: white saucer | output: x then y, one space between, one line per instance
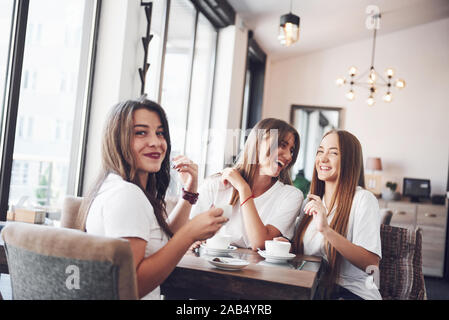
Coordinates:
276 259
214 251
229 264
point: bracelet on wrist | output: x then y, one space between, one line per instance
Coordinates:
191 197
251 196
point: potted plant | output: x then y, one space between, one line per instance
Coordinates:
390 192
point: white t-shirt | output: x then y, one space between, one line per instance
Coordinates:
364 231
278 206
120 210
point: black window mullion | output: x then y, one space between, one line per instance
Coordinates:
13 102
85 134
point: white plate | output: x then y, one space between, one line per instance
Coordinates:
276 259
213 251
229 264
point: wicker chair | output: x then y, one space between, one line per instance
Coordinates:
401 276
385 216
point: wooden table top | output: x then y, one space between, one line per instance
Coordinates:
194 277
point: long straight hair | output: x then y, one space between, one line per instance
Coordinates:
248 160
351 175
117 157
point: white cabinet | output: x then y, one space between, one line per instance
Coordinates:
432 220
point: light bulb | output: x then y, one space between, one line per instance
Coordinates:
350 95
352 71
388 97
370 101
400 83
372 76
340 81
389 72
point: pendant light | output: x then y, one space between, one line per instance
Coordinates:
289 28
374 79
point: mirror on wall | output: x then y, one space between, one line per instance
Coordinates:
311 122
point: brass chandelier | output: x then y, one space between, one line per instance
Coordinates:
371 79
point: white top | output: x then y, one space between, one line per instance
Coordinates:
121 209
364 231
278 206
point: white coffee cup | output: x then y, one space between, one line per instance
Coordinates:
219 241
227 210
277 248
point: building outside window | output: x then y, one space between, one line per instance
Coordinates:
57 52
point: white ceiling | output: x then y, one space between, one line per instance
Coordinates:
331 23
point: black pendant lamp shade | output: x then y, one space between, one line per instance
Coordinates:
289 29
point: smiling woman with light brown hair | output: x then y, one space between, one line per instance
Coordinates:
341 220
264 203
127 200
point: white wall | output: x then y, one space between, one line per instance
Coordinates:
411 134
119 55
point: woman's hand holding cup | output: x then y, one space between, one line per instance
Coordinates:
206 224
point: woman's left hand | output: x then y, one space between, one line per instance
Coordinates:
188 172
316 209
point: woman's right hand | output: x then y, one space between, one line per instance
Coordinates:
206 224
233 177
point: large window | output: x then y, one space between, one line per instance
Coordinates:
52 101
177 70
187 80
201 93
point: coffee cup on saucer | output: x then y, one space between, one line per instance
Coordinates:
219 241
227 210
277 248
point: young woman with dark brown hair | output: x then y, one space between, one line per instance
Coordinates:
127 199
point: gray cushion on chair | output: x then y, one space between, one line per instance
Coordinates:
38 257
31 272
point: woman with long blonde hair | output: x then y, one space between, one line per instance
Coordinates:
264 203
127 200
341 220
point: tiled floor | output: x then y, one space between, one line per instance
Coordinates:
437 289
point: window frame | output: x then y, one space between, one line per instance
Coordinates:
13 83
12 96
202 166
